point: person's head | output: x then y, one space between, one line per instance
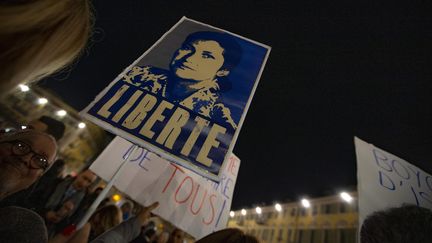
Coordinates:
104 202
98 190
149 232
24 157
38 38
126 209
49 125
65 210
127 206
163 237
21 225
408 223
206 55
84 180
176 236
230 235
150 235
105 218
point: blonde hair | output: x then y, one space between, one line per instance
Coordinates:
105 218
40 37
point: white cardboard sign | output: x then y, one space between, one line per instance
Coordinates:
385 180
189 201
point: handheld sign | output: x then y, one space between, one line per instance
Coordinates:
189 201
186 97
385 181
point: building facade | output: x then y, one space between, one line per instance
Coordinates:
329 219
82 141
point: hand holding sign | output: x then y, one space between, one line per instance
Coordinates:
187 200
145 213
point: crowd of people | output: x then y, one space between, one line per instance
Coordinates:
38 204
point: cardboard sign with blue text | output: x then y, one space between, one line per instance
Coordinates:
189 201
385 180
186 97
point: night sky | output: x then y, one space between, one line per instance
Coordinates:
336 70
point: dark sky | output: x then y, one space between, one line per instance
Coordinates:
336 70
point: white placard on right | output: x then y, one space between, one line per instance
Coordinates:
385 180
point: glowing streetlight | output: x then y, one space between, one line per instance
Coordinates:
258 210
278 207
81 125
346 197
23 127
232 214
61 113
243 212
42 101
116 197
305 203
24 88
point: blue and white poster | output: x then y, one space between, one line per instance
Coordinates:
186 97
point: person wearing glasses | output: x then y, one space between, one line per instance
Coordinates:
72 189
24 157
41 190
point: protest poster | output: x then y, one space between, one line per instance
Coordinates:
186 97
189 201
385 180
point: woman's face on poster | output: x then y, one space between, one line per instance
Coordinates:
201 60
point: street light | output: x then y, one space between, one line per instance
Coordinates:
81 125
116 197
305 203
346 197
61 113
258 210
24 88
278 207
243 212
232 214
42 101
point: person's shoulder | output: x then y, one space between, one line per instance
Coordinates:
21 225
139 74
222 114
148 78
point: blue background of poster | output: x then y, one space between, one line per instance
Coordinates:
216 154
243 78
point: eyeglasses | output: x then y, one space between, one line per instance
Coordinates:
21 148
